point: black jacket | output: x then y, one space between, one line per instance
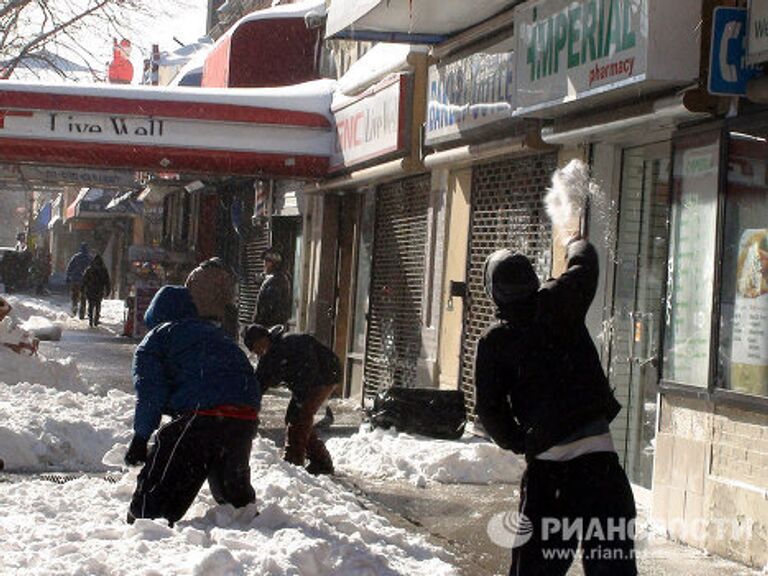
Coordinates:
299 361
273 304
96 283
538 377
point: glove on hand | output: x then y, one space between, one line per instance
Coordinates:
137 452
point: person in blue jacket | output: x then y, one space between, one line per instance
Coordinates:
74 277
186 367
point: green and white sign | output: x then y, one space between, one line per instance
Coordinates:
571 49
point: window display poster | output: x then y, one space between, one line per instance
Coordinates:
749 346
691 266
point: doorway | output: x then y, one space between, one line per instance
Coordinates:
638 304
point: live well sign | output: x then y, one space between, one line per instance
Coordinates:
372 125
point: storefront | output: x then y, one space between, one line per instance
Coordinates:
618 111
710 476
370 226
492 171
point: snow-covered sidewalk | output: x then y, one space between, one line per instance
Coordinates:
48 423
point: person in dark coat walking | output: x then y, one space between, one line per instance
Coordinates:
541 391
187 368
95 286
273 304
74 276
311 372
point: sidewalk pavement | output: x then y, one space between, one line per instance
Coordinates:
455 516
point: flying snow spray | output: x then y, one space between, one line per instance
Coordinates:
568 199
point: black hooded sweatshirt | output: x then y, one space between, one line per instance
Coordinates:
538 376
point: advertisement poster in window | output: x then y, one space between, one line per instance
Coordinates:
749 348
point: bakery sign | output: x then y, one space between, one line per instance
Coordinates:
469 93
568 50
371 125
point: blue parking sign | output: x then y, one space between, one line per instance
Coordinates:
728 70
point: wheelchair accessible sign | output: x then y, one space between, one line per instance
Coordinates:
728 69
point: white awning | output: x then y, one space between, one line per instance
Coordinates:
416 21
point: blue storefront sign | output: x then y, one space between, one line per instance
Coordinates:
468 94
728 70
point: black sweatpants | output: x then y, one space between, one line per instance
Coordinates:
187 451
94 311
589 499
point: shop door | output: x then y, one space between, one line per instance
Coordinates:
393 343
507 212
640 265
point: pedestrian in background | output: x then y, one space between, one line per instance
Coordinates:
74 277
541 391
311 372
95 286
187 368
273 304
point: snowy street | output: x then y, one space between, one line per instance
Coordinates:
398 504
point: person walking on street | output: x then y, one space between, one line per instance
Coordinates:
187 368
273 304
311 372
74 277
541 391
95 286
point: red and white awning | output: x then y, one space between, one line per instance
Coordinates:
270 131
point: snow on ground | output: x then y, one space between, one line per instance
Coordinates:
56 309
378 453
43 429
306 525
58 374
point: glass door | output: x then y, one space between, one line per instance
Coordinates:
640 266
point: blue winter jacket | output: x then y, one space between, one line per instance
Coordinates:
77 265
186 363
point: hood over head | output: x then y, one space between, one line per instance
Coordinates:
509 277
212 286
169 304
84 248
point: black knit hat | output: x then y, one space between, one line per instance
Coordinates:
253 333
509 277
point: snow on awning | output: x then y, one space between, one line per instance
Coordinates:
265 131
425 21
272 47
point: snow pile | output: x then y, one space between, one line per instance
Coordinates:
42 429
60 374
26 307
42 328
112 315
388 454
307 526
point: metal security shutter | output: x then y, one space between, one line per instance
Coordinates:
397 284
507 212
252 268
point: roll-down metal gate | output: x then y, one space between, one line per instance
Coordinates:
397 284
252 268
507 212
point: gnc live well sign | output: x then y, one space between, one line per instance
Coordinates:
371 125
568 50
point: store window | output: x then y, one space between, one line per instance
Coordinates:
691 264
743 346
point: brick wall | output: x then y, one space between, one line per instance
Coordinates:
710 486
